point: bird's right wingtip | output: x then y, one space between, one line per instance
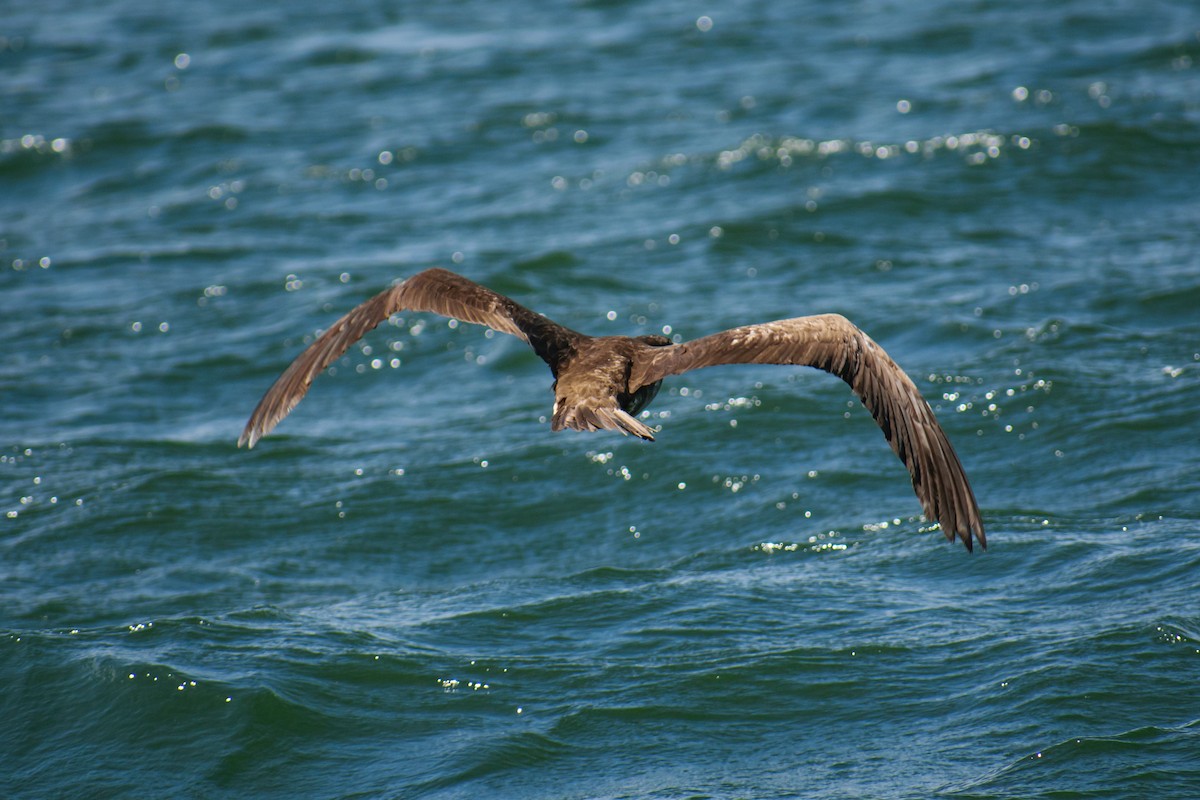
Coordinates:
971 536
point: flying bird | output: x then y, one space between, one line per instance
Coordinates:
604 382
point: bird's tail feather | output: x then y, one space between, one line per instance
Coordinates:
582 418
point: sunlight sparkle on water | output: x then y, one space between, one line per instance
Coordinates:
976 147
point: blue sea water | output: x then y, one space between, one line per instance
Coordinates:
414 589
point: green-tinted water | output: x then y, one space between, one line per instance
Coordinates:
414 589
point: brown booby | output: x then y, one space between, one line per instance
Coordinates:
606 381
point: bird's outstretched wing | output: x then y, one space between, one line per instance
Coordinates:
832 343
436 290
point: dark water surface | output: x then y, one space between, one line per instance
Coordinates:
414 589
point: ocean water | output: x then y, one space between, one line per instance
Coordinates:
413 589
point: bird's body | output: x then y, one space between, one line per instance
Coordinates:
593 388
605 382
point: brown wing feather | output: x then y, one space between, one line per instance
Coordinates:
832 343
436 290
